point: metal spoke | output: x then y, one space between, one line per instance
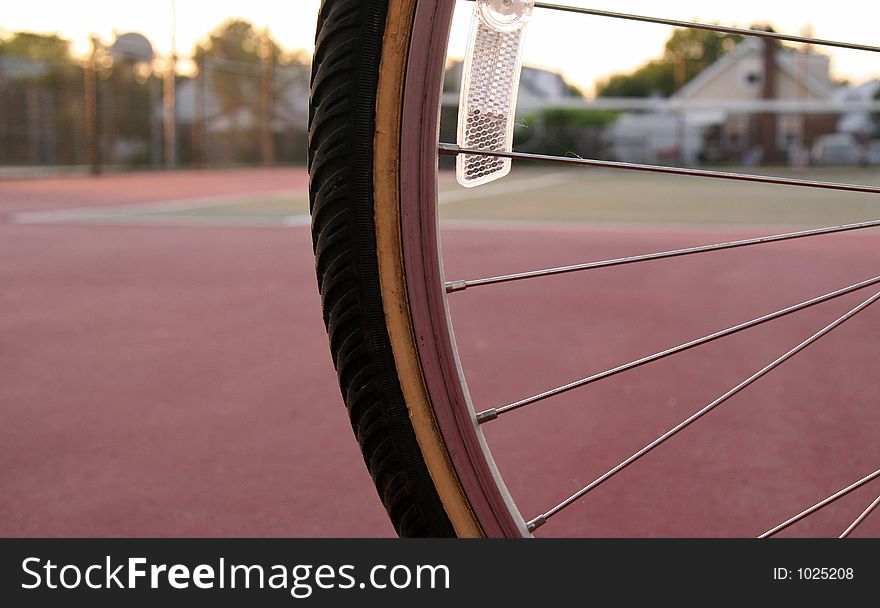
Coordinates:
708 26
858 520
493 413
456 286
453 150
542 519
821 504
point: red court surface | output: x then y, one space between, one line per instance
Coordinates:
132 188
175 380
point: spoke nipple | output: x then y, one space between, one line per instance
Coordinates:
487 416
453 286
536 523
449 148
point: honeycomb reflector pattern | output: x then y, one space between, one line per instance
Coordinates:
487 108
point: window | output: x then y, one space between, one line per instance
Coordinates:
751 72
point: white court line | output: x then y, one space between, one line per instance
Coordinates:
122 215
522 184
477 225
124 211
284 221
298 220
490 225
126 215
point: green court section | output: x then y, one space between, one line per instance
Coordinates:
531 194
258 209
253 208
598 196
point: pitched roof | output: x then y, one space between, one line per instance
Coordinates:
785 61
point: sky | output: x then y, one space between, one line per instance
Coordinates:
583 48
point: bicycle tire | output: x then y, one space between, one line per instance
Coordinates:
341 125
374 110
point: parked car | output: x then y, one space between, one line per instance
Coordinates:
837 149
872 152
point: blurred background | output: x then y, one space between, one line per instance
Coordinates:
75 99
163 364
106 88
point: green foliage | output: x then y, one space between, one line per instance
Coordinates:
701 48
234 40
42 71
653 78
563 118
234 44
49 48
43 92
48 54
687 53
231 61
565 130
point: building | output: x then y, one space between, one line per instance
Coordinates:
859 122
220 117
538 88
760 102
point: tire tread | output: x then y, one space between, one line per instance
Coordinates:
341 125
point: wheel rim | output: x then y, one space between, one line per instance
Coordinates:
455 415
426 287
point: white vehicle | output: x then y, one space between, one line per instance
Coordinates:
836 149
872 153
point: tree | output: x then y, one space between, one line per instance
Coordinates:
232 54
653 78
700 48
233 40
48 48
687 53
42 88
254 82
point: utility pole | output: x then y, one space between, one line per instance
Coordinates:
155 90
680 126
767 121
199 112
267 60
90 108
170 99
803 156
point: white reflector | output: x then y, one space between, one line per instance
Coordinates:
490 81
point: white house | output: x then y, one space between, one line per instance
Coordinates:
538 88
714 117
857 123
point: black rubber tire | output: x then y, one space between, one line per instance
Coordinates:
341 129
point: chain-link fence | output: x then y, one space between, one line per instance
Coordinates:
241 100
112 112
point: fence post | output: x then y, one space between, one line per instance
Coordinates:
267 59
170 113
3 144
198 124
90 105
768 120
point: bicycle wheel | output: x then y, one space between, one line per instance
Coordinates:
373 155
376 245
